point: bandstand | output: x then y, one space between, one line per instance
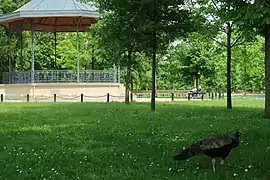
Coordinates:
56 16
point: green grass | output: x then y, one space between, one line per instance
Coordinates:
115 141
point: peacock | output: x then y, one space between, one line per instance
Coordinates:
214 147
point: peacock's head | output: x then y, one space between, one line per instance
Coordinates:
237 134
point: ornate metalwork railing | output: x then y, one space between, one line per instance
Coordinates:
61 76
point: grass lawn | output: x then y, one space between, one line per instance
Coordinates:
114 141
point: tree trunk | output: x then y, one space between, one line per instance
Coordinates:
267 70
229 58
128 77
153 95
196 82
131 84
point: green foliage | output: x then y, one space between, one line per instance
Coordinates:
248 66
196 61
7 6
252 15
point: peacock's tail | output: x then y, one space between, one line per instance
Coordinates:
193 150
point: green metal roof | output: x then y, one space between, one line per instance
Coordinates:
54 15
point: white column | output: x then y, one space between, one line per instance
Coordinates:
78 60
33 54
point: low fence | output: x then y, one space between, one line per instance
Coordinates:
183 94
139 97
101 98
57 98
179 95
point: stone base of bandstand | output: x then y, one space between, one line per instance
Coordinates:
64 92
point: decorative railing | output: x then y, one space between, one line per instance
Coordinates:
61 76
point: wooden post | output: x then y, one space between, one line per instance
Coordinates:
212 96
188 97
131 97
172 96
2 98
202 96
27 97
108 97
219 95
81 97
54 97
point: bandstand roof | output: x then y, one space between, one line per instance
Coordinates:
53 16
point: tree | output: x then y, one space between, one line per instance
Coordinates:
116 34
248 65
10 51
221 22
158 22
255 15
197 60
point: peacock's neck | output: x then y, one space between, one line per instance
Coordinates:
236 141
